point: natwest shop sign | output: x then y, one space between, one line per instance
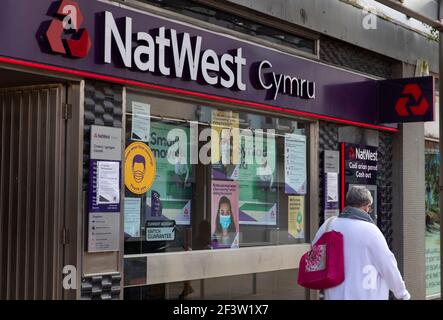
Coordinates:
407 100
104 39
360 165
188 60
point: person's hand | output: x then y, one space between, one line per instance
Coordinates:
407 296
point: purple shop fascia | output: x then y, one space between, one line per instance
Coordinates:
132 47
190 62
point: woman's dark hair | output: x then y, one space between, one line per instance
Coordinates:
218 228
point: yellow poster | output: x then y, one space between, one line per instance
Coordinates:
221 147
140 168
296 220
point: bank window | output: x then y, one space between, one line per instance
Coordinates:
234 22
199 177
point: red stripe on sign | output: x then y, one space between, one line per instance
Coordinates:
139 84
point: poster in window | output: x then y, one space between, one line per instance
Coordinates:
295 164
225 151
331 195
108 182
132 217
104 186
141 113
170 195
224 215
257 181
331 187
296 223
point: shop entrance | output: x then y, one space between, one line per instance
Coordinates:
32 187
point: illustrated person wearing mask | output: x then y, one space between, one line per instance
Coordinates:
225 230
370 267
138 168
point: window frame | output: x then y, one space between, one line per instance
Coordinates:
202 264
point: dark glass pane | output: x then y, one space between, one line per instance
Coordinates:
237 23
185 209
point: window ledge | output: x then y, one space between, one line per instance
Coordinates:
203 264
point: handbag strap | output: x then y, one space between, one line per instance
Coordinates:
328 223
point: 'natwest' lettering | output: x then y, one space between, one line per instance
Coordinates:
366 154
187 58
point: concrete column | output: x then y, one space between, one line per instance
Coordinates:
409 223
409 219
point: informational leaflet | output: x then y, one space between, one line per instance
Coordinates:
225 155
332 187
141 122
104 189
106 143
132 216
103 231
296 224
332 161
104 186
295 164
108 182
331 196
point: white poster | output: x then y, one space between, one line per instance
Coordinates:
141 113
103 231
132 216
106 143
332 186
108 182
295 164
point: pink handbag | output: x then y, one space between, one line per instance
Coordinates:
323 266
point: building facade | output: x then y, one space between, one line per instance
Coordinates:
117 178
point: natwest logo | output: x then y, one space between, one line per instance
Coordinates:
412 101
366 154
406 100
68 20
102 136
351 153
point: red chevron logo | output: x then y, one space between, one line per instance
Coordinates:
412 94
68 20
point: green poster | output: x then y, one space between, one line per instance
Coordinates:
173 182
257 182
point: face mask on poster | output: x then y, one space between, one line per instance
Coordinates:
225 222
